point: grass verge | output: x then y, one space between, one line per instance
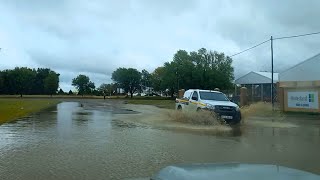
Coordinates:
11 109
261 109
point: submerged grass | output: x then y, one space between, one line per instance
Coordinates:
13 108
261 109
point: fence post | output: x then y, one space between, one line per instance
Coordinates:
243 96
280 94
181 93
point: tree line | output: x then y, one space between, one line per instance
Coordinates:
23 80
200 69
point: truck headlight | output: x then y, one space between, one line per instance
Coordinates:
209 106
237 108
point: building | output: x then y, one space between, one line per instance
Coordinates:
299 86
258 85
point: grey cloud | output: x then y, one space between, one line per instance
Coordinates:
96 37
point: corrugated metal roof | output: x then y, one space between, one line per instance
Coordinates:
307 70
256 77
268 75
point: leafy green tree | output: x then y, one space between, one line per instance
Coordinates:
2 82
202 69
170 78
106 89
38 86
183 68
157 79
128 79
21 80
145 79
51 83
83 84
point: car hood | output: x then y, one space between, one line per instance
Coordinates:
220 103
232 171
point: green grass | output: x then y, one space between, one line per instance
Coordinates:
13 108
164 103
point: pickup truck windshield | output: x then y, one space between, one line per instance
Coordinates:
213 96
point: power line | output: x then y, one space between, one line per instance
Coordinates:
284 37
295 36
250 48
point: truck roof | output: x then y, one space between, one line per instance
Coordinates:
203 90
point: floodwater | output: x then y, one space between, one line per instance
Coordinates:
83 140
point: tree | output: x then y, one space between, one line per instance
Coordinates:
170 80
128 79
61 92
2 82
70 92
106 89
157 79
51 83
199 70
21 80
38 86
145 79
83 84
183 67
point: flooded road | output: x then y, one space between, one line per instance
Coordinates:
83 140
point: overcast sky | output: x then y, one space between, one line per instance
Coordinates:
94 37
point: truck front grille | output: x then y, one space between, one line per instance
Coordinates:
225 108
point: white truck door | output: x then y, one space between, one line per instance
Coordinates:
194 100
185 100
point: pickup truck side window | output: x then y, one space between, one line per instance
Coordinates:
187 95
195 96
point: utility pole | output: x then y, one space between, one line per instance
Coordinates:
272 88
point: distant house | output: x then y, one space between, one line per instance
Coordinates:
120 91
258 84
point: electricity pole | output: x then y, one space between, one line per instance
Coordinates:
272 88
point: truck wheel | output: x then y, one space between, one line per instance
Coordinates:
199 109
179 108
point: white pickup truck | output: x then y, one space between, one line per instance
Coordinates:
197 99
